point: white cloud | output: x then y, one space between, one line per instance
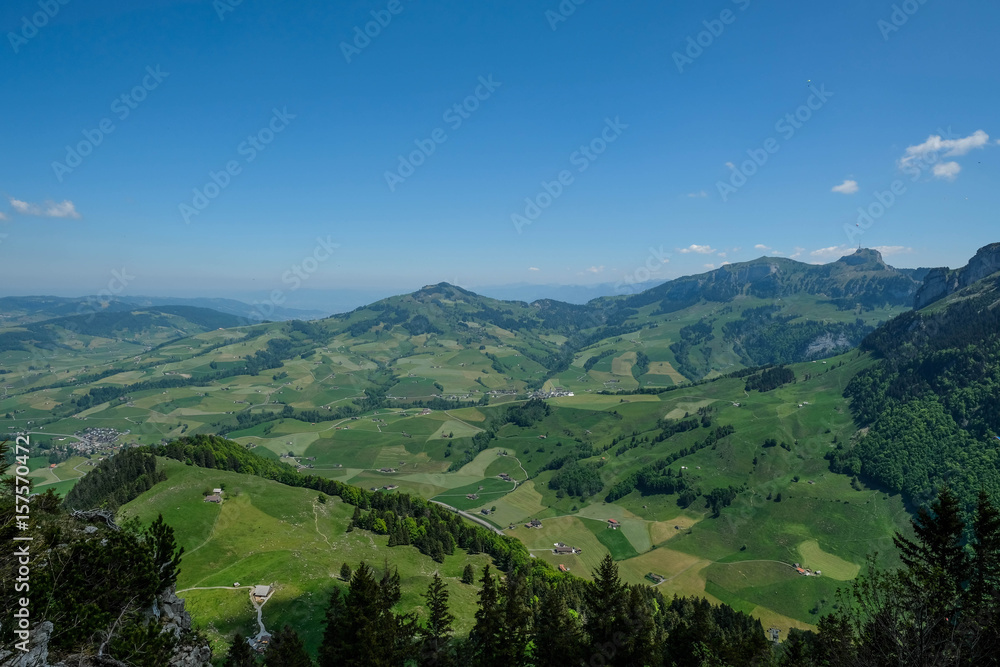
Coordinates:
710 266
700 249
893 250
761 246
701 194
534 268
723 264
947 170
596 269
848 187
731 165
797 253
831 253
928 152
3 216
48 209
722 254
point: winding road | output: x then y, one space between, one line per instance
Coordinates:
470 517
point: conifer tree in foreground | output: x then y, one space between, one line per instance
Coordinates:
556 636
435 635
286 650
486 636
240 654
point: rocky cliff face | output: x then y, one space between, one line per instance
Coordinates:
941 282
167 608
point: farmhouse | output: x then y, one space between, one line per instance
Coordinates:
505 477
563 549
390 487
656 578
472 496
213 498
261 591
613 523
217 492
534 523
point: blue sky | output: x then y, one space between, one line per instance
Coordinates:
650 112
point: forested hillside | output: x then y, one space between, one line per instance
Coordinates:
931 405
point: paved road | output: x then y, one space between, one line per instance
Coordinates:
471 517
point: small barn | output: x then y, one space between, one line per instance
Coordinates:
213 498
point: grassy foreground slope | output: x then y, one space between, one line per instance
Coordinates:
268 533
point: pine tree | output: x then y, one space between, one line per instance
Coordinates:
435 647
239 654
557 637
469 574
937 563
486 634
286 650
515 632
985 584
345 572
334 647
166 554
604 597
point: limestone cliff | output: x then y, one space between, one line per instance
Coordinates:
941 282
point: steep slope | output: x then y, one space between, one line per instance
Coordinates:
942 281
931 404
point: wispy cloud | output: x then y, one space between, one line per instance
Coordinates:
534 268
701 194
831 253
48 209
731 165
699 249
947 148
797 252
848 187
710 266
3 216
596 269
893 250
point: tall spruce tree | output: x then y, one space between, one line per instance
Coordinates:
604 598
516 630
557 637
240 654
286 650
486 635
435 635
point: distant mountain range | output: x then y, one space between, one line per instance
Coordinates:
17 310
